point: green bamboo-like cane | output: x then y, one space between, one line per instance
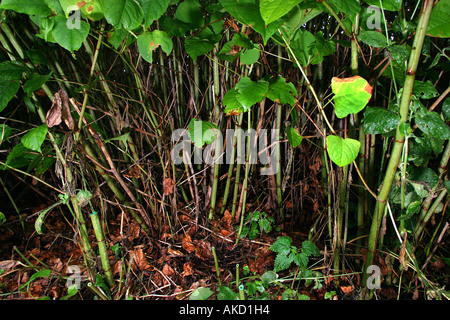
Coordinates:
230 172
217 141
239 286
216 264
243 199
278 146
399 137
278 164
238 165
86 247
99 234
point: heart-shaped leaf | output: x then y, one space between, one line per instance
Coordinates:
30 7
149 41
201 132
251 92
342 151
153 9
232 105
282 92
70 36
351 95
126 14
294 138
34 138
272 10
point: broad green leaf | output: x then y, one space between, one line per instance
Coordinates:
149 41
373 38
268 277
282 262
399 55
42 163
282 245
424 90
342 151
126 14
301 45
93 9
34 138
201 132
8 89
11 70
272 10
300 259
251 92
419 150
228 52
348 7
350 95
412 209
70 38
56 6
438 25
202 293
431 123
35 82
310 249
153 9
379 120
30 7
294 138
389 5
189 12
296 18
67 6
247 12
320 48
19 157
232 105
37 56
420 190
225 293
173 26
117 36
282 92
196 47
242 40
46 26
249 56
423 175
265 224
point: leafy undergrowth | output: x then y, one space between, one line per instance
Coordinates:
179 264
171 267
